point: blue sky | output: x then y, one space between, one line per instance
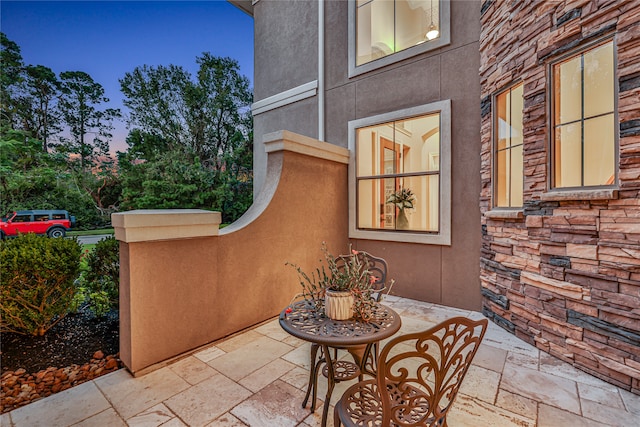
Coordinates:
106 39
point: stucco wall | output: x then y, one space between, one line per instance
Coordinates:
179 294
565 274
426 272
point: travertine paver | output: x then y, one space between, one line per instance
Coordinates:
250 357
107 417
129 396
472 412
193 370
259 377
154 416
266 375
62 409
226 420
206 401
556 391
275 405
549 416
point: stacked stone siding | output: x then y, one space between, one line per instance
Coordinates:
563 272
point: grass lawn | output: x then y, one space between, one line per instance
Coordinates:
90 232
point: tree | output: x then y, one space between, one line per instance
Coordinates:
203 116
80 96
10 77
43 87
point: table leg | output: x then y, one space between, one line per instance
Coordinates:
313 378
331 381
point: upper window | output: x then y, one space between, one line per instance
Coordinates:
401 175
385 31
584 120
507 161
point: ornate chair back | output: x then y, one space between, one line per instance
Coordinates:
423 371
376 266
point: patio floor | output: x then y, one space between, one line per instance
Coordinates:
258 378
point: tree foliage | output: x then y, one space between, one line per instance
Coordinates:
190 146
79 102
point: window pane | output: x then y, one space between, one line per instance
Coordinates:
568 156
419 142
503 102
568 91
424 215
368 148
370 205
384 27
599 148
502 173
517 107
598 80
374 30
517 176
413 19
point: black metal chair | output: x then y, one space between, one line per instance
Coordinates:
418 377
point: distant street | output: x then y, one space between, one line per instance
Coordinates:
90 240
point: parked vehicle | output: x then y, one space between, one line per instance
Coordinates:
53 223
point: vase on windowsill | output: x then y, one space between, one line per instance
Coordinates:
402 199
402 222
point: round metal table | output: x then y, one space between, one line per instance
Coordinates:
302 320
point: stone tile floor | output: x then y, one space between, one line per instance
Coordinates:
258 378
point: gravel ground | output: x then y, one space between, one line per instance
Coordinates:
72 341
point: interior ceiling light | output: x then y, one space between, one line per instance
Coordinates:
433 31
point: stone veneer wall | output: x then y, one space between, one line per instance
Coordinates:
563 273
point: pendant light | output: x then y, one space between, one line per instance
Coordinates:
433 31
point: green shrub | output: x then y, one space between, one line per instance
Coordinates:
101 280
37 282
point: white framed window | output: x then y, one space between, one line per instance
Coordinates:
400 175
508 141
584 122
382 32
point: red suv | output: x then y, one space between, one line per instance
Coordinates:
53 223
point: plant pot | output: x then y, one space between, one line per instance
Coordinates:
338 305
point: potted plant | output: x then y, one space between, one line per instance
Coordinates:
342 288
402 199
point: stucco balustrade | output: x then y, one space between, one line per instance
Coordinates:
184 283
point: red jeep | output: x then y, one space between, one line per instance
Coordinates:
53 223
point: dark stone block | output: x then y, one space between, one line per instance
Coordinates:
569 16
485 106
571 43
560 261
484 229
630 128
499 268
629 82
500 300
604 328
499 320
485 6
538 207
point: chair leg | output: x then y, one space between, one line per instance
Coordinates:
336 415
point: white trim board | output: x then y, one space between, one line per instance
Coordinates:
290 96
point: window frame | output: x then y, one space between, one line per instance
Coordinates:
494 147
443 236
443 40
551 178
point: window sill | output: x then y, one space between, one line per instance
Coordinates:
443 239
505 214
559 196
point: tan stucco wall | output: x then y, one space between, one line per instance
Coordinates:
177 295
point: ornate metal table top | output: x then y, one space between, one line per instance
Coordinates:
304 322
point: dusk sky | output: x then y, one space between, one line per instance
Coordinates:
106 39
